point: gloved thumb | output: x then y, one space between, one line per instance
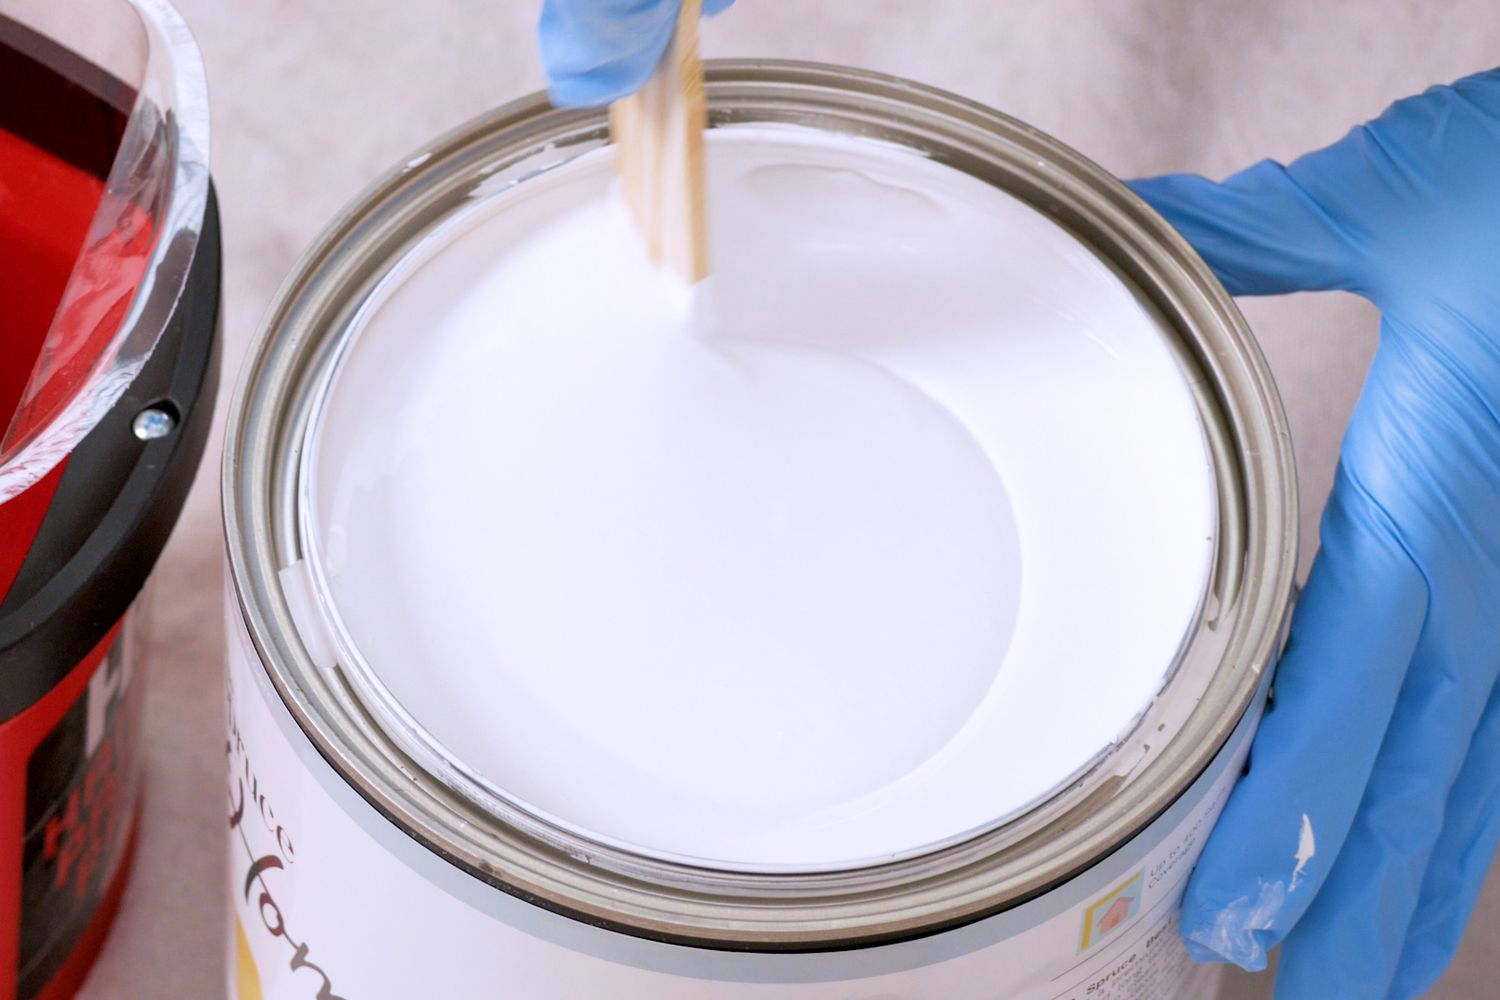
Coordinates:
598 51
1262 230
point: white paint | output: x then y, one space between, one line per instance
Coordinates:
1307 847
1242 931
893 527
1239 932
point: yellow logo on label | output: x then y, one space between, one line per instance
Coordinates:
1111 911
246 975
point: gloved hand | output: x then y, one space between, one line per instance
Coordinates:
1384 733
1372 806
597 51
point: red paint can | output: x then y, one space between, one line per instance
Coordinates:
108 368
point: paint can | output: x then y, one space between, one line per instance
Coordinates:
368 859
108 371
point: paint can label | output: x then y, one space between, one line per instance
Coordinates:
72 767
331 900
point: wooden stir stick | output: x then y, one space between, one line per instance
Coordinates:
658 134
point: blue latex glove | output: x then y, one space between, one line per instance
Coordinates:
597 51
1384 733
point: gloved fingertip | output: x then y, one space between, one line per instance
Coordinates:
1242 948
1242 931
1250 960
596 54
1195 207
712 7
1190 202
1259 230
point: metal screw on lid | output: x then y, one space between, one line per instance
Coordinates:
152 423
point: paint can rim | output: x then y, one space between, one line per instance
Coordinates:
1233 643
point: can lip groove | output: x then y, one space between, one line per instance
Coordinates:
1240 629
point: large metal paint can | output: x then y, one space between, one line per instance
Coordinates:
358 868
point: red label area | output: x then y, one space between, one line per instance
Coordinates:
67 288
46 206
49 343
69 782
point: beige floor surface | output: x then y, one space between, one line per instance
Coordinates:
312 99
